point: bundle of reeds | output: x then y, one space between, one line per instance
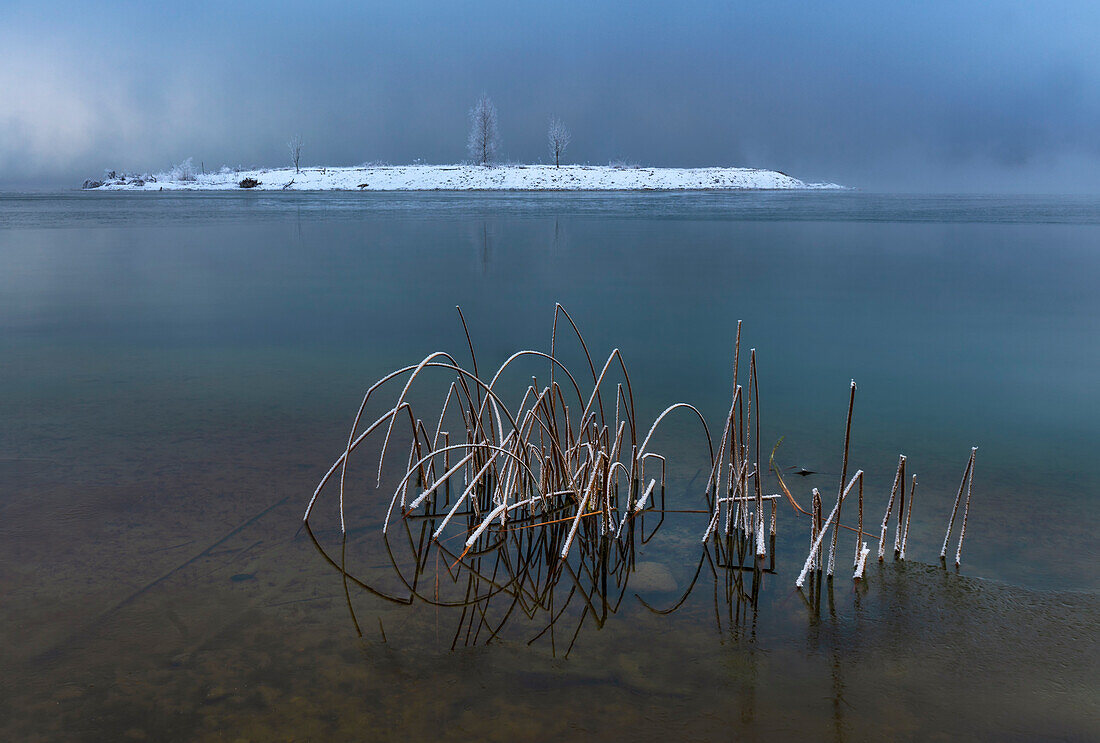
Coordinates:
567 465
516 495
540 460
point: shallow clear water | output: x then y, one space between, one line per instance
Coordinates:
175 366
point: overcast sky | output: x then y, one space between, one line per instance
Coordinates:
959 95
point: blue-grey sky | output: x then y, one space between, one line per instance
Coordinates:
934 95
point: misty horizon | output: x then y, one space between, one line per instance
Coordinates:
944 97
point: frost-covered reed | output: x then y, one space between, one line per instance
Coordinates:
899 483
967 482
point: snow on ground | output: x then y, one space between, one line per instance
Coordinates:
467 178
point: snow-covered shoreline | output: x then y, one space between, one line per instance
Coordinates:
464 178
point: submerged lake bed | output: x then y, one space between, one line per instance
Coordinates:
180 370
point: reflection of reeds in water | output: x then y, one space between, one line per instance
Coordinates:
537 509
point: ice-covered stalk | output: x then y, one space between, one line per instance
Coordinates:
435 486
908 514
761 550
580 509
638 507
815 524
899 481
861 562
847 436
729 503
901 520
816 546
844 462
958 498
465 494
498 511
405 482
858 477
859 528
966 509
761 547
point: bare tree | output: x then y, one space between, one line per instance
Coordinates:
484 141
557 137
295 147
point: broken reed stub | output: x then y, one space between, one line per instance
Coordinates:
861 562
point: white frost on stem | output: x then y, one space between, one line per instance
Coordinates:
958 498
857 477
966 509
640 505
898 481
761 548
580 512
861 562
817 543
499 510
908 515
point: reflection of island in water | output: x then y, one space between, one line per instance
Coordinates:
535 514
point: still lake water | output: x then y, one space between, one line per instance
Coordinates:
178 371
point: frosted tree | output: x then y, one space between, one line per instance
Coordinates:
484 141
557 137
295 147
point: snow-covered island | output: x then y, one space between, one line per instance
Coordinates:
459 178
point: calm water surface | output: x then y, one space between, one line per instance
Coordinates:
178 371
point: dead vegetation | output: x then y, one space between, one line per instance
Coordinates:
537 507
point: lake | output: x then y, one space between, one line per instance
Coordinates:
179 371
